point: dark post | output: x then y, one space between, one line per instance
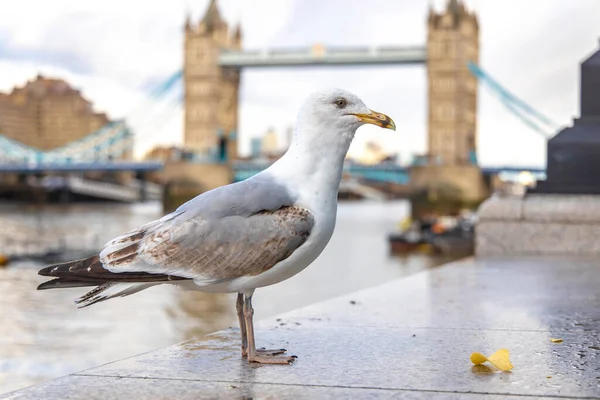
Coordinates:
143 186
573 159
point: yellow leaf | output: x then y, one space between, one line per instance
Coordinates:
501 360
556 340
478 358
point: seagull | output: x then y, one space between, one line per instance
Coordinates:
241 236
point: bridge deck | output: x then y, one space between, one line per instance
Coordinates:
116 166
384 172
318 55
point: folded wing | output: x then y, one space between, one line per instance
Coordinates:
242 229
209 250
205 250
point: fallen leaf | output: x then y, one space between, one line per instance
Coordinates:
553 340
478 358
500 359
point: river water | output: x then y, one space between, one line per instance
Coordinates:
43 335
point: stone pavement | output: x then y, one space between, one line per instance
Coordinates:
410 338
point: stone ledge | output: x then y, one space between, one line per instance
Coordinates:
501 208
583 209
496 238
539 225
542 208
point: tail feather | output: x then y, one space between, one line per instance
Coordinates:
110 290
59 283
93 271
72 269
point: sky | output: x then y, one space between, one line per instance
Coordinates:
116 51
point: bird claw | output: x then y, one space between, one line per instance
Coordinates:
270 352
261 359
265 352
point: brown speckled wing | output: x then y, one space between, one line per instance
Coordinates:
216 249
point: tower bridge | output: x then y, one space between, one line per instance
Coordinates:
214 59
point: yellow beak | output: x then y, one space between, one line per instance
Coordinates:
377 118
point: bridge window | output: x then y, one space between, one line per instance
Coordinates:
436 48
451 49
467 28
444 111
443 84
447 21
201 88
198 114
442 137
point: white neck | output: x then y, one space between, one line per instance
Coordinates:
315 160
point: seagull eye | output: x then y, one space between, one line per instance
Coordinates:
340 102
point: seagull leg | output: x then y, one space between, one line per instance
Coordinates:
264 356
239 306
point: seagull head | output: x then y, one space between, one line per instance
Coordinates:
340 111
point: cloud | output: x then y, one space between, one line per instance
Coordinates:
116 50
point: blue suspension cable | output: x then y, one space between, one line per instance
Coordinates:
515 105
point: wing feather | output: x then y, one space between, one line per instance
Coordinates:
227 248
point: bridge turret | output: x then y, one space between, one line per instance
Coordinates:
451 172
188 22
237 37
211 92
452 41
212 21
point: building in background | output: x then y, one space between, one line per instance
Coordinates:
211 92
266 146
165 154
270 144
47 113
255 148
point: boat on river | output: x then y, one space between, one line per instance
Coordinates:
447 235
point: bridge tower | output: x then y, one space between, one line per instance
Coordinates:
452 173
211 92
452 41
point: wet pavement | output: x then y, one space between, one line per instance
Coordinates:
409 338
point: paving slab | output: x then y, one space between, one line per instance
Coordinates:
108 388
410 338
549 294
